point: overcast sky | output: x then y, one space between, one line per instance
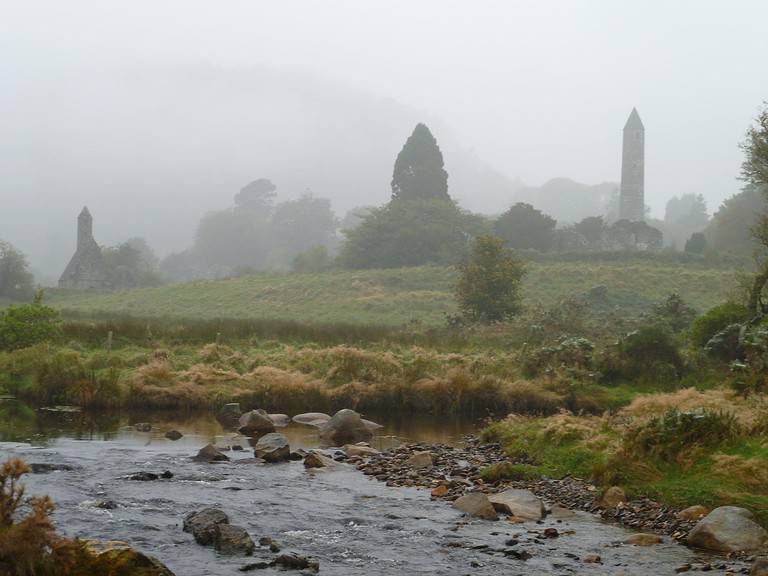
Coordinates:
96 99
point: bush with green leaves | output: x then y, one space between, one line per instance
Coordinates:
649 354
488 289
27 325
16 281
716 320
674 312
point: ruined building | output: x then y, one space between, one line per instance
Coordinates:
86 269
632 194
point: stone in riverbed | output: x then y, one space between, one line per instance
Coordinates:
372 426
255 423
692 513
728 529
296 562
317 460
476 504
272 447
203 524
522 504
280 420
344 427
229 415
142 427
232 540
45 468
420 461
439 491
358 450
210 453
311 418
173 435
759 567
613 497
120 554
642 539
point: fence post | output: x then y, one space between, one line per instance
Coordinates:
109 341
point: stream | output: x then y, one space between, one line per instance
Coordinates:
350 523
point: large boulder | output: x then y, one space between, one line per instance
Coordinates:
229 415
204 524
255 423
728 529
280 420
272 447
522 504
233 540
476 504
115 555
209 453
345 427
311 418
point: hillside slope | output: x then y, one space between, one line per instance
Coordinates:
399 296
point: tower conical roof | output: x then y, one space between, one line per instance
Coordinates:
634 122
85 213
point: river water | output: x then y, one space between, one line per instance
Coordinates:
350 523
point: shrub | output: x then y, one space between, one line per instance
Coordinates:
488 288
26 325
674 312
715 320
648 354
673 432
508 471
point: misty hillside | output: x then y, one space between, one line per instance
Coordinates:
144 148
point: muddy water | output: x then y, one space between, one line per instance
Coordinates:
352 524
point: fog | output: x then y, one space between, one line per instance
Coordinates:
153 112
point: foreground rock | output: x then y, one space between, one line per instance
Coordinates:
174 435
296 562
311 418
644 539
476 504
114 554
759 567
613 497
142 427
255 423
345 427
522 504
44 468
317 460
694 513
420 461
210 453
728 529
229 415
211 526
280 420
272 447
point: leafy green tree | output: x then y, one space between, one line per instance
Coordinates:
592 228
132 263
299 224
16 281
28 324
730 229
410 233
696 244
313 259
488 289
524 227
419 173
258 195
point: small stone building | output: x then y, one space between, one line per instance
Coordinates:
86 270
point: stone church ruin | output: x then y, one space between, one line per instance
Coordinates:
86 270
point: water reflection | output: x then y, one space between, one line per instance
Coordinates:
41 426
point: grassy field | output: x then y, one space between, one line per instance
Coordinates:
400 296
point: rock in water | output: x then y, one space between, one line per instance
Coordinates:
173 435
114 555
272 447
203 525
372 426
317 460
210 453
759 567
476 504
358 450
642 539
345 427
295 562
143 427
728 529
613 497
233 540
522 504
255 423
280 420
420 461
311 418
229 415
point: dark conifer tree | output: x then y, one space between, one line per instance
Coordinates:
419 173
